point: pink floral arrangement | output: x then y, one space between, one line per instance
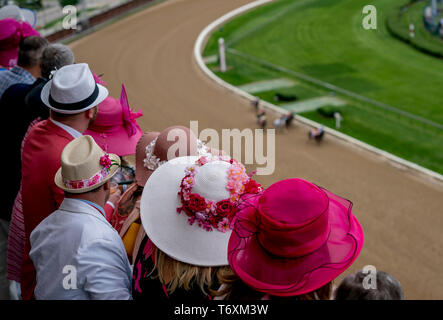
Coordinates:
208 214
106 162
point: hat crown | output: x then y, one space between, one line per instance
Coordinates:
211 181
294 202
80 159
179 135
9 35
72 83
110 114
293 218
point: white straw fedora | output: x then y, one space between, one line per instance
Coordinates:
72 90
85 166
171 231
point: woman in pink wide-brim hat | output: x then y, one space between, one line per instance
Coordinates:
11 33
292 240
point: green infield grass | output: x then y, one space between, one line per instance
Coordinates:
393 92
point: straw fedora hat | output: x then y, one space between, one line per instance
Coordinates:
72 90
85 166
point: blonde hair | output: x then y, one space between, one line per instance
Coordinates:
234 288
176 274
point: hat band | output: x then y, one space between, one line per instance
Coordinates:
102 129
76 105
86 183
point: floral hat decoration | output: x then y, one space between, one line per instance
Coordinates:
85 166
209 214
189 205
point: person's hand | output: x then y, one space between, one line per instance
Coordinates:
113 198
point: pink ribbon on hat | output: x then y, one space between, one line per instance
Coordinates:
129 116
85 183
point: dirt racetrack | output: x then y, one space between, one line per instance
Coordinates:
151 53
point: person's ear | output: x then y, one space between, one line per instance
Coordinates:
90 114
107 185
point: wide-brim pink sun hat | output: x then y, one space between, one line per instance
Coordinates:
116 129
11 32
294 238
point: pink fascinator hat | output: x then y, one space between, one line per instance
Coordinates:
293 238
115 129
11 32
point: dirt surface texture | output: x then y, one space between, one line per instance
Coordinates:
151 52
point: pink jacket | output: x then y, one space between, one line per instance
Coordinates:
40 161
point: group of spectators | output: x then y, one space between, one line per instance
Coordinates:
185 223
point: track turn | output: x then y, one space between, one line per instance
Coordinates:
151 52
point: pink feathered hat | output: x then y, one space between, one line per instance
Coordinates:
11 32
294 238
115 129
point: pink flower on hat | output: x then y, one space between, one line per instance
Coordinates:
191 171
93 180
202 161
252 187
105 161
188 182
223 225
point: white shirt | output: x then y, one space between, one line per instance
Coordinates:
78 255
74 133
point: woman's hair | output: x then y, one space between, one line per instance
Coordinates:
351 288
233 288
182 275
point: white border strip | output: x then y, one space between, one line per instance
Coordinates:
198 49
